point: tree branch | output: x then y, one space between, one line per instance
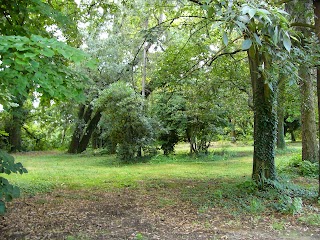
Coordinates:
305 25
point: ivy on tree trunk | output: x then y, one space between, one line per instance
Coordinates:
265 118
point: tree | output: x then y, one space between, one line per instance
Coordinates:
118 51
264 31
30 63
298 10
124 123
30 19
316 5
35 64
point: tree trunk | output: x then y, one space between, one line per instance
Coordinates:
308 123
281 144
293 137
14 131
83 144
233 134
265 119
299 10
84 129
316 4
13 128
73 147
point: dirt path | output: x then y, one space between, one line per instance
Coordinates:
136 214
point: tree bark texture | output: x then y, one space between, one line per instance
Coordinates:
316 5
87 122
281 144
265 119
299 9
14 126
308 123
92 124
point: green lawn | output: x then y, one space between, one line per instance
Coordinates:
216 185
47 171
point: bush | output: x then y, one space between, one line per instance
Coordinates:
123 122
8 191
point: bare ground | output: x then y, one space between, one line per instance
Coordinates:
138 214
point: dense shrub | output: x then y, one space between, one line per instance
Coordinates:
124 123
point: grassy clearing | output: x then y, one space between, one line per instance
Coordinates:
219 179
216 188
59 170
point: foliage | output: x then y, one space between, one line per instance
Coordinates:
287 204
38 64
169 109
31 63
24 18
125 124
8 191
303 168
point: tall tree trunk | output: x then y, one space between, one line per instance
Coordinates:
281 144
144 61
300 9
265 119
316 4
308 123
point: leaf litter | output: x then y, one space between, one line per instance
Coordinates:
139 214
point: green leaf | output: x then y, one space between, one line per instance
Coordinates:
47 52
64 53
35 64
210 12
275 35
257 38
2 208
21 61
15 192
204 6
92 64
241 26
252 12
245 9
225 39
30 55
283 12
287 42
246 44
8 198
263 11
244 19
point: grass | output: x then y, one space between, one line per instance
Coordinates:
60 170
220 180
